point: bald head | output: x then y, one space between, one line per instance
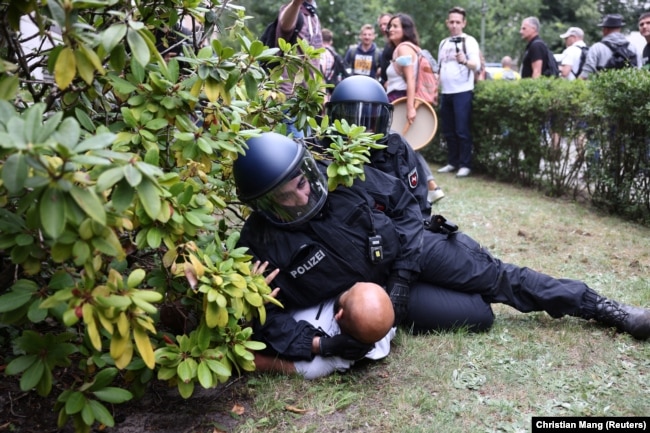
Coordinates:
366 312
506 62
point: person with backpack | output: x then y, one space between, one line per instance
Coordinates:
459 60
575 54
538 59
363 58
613 51
331 63
402 78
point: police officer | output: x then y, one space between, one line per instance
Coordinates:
362 101
323 243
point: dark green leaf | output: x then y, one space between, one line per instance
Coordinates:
99 141
112 36
68 133
149 198
113 395
132 175
122 196
75 403
33 121
108 178
36 314
104 378
24 239
84 119
102 414
57 12
14 300
44 386
52 211
14 173
121 85
8 87
138 47
87 414
32 375
20 364
90 203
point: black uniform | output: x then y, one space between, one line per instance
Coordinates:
326 255
400 160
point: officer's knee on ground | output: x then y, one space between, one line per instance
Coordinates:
432 308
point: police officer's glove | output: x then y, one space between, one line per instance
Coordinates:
440 224
344 346
398 289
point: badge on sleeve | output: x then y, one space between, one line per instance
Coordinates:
413 178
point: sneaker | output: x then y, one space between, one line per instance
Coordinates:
435 195
463 172
447 169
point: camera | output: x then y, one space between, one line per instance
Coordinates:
457 39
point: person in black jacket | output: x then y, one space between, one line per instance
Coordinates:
362 101
325 242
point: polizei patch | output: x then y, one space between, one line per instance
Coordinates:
308 264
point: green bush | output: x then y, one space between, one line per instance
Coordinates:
619 144
118 216
568 137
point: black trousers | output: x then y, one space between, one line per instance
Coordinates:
458 264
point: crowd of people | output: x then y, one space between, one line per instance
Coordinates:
461 64
354 263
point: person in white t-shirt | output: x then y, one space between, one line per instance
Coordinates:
363 312
459 59
572 56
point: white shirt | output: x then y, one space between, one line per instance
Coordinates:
322 316
454 77
571 56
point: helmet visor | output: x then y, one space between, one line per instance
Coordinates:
298 198
375 116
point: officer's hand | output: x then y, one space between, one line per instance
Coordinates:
344 346
399 290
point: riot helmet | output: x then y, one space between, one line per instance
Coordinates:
280 179
362 101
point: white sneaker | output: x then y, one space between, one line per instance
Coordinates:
435 195
447 169
463 172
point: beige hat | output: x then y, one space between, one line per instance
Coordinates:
573 31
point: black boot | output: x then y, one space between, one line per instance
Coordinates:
626 318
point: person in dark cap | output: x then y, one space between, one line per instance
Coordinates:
613 40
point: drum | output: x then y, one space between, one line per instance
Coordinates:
424 127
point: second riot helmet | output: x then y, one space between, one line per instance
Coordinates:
362 101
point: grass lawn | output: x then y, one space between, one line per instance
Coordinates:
527 365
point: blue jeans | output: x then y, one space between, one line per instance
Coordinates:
455 113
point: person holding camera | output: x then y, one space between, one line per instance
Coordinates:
459 59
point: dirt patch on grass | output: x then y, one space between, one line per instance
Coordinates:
161 410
